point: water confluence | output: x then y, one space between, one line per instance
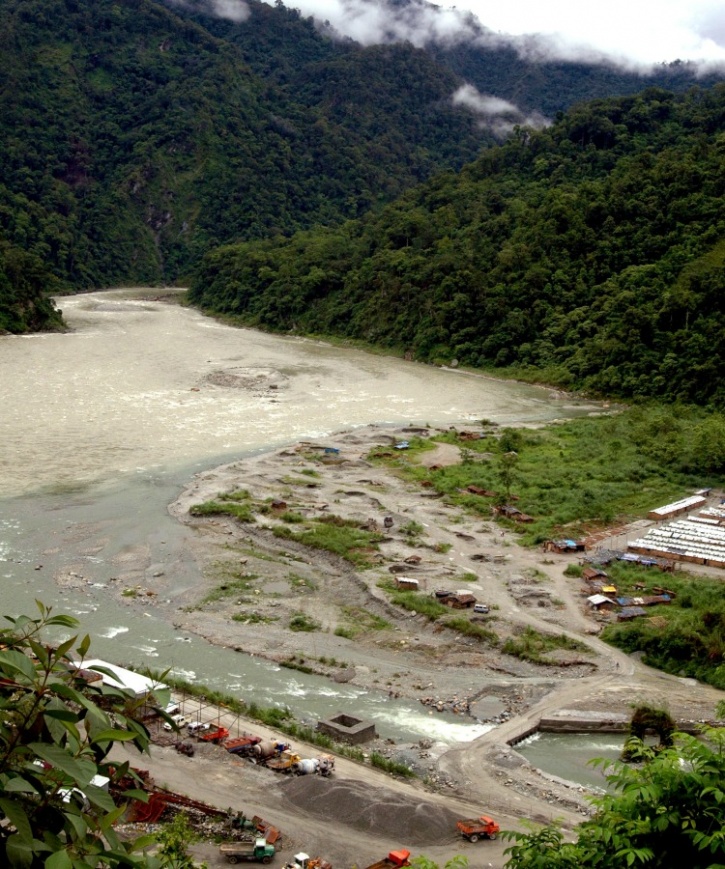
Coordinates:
101 428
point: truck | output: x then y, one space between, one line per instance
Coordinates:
394 860
268 748
242 745
286 762
258 851
304 861
217 735
474 829
322 765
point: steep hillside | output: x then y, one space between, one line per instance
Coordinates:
137 136
591 254
135 140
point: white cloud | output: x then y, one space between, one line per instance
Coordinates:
495 114
633 32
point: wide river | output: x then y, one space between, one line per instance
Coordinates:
101 427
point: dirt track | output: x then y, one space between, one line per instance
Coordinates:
361 813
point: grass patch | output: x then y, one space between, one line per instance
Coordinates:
464 577
361 621
237 504
413 601
334 534
531 645
685 637
303 622
297 581
394 767
231 588
578 475
473 629
253 619
412 530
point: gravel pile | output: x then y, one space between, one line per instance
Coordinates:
355 804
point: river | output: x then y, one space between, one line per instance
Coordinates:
101 427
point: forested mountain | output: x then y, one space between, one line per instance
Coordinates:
136 136
590 254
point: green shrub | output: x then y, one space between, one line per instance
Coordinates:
303 622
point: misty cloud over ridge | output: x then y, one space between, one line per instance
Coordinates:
494 114
635 35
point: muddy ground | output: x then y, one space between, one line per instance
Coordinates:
265 583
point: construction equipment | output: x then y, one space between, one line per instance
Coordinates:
259 851
242 745
217 736
256 827
286 762
268 748
149 812
304 861
322 765
394 860
474 829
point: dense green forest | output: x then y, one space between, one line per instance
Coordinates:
139 136
589 255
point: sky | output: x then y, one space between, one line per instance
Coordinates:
630 32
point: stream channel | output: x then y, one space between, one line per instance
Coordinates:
103 426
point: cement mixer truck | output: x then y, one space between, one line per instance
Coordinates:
267 749
322 765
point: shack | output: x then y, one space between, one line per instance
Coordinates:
458 600
628 613
600 602
565 545
407 583
510 512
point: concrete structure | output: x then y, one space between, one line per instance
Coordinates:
347 728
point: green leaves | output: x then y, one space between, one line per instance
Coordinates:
55 730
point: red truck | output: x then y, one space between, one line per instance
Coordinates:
394 860
474 829
217 736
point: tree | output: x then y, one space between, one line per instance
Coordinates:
667 811
56 731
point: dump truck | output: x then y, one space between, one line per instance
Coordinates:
394 860
286 762
474 829
258 851
218 735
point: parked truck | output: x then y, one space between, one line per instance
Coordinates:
394 860
286 762
217 735
267 749
474 829
259 851
242 745
304 861
322 765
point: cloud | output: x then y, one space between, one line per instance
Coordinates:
494 114
634 33
233 10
